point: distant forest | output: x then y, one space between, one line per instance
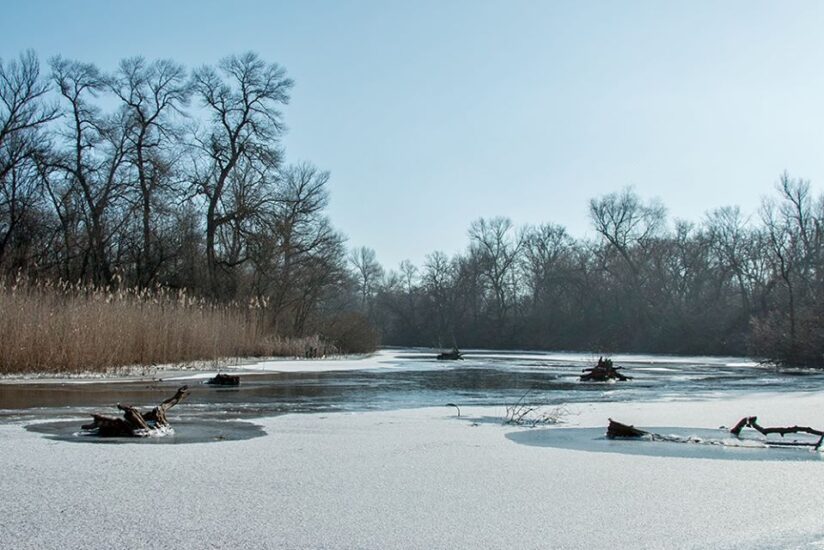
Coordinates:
156 176
727 285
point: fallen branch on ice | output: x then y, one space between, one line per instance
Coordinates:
752 422
625 431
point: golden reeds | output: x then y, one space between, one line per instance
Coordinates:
57 327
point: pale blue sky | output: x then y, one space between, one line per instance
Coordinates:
431 114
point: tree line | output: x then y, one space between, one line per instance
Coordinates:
154 175
157 176
729 284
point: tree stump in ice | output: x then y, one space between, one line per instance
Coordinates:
134 423
452 355
603 372
224 380
616 429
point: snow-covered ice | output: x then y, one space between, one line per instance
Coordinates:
419 478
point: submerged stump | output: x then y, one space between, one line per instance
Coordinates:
224 380
617 429
453 355
603 372
134 423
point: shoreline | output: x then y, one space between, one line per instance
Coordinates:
180 371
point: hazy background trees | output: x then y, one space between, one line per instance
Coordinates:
728 284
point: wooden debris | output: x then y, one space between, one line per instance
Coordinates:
616 429
603 372
134 423
224 380
453 355
619 430
752 422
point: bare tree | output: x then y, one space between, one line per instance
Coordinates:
545 249
24 113
152 95
92 164
298 254
497 248
242 96
368 275
624 220
439 285
794 244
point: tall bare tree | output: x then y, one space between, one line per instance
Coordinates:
239 149
24 114
624 220
368 275
297 255
92 164
152 97
497 246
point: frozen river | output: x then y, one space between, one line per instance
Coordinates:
410 378
383 464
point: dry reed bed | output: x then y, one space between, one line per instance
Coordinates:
50 327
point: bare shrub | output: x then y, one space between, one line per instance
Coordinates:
525 413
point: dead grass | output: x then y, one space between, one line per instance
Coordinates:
48 327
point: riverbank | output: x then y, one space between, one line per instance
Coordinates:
417 478
60 329
194 370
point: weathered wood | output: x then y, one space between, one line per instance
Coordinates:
752 422
603 372
224 380
134 423
453 355
133 417
109 426
617 429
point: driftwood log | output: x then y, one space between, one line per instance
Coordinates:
752 422
134 423
224 380
603 371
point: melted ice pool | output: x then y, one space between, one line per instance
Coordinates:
192 431
704 443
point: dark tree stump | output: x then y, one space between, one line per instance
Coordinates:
224 380
616 429
453 355
109 426
603 371
134 423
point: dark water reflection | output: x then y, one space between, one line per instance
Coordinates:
411 378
